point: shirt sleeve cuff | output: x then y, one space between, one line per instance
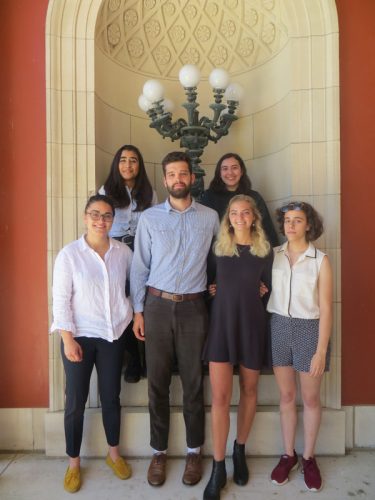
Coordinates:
69 327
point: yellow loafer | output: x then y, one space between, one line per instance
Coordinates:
121 468
72 479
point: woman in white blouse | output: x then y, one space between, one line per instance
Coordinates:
91 312
301 322
128 186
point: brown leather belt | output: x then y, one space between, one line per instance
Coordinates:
176 297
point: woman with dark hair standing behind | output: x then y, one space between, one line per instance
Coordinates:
130 189
230 179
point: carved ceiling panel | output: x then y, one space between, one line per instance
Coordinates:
157 37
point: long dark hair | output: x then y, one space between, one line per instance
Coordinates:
217 185
115 187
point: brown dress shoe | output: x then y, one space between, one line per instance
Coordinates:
193 469
156 470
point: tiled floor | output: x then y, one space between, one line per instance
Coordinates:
37 477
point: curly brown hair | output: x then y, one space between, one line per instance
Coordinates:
314 219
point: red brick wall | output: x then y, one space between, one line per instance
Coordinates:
23 222
357 109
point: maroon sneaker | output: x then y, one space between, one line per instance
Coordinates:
311 473
280 474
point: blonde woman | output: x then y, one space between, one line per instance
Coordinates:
237 332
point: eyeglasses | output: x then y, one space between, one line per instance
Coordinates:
95 215
296 205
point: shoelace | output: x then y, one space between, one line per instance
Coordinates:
158 458
192 458
308 464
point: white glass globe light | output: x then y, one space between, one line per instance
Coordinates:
234 92
168 105
144 103
219 79
153 90
189 75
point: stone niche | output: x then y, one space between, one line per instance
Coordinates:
285 55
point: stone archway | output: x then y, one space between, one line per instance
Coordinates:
308 105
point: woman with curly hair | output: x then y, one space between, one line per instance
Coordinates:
301 322
130 189
231 179
237 332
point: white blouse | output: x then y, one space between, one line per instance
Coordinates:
295 289
126 219
89 292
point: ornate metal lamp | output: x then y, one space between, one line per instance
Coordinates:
194 133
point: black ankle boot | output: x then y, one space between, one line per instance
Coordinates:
240 470
217 481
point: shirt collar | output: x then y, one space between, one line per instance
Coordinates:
169 207
310 251
84 246
115 243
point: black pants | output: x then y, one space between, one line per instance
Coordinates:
107 357
175 329
133 346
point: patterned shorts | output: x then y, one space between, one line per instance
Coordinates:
294 342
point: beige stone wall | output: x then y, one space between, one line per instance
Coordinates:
284 53
288 131
136 41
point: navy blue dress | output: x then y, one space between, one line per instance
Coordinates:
238 322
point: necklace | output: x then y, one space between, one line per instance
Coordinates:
243 248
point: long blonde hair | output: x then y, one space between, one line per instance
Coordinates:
225 244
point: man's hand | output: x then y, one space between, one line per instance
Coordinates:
139 326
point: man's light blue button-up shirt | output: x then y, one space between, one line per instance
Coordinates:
171 249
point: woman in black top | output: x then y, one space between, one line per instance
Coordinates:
237 332
230 179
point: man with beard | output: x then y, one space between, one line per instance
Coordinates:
168 279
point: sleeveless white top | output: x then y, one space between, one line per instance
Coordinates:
295 289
